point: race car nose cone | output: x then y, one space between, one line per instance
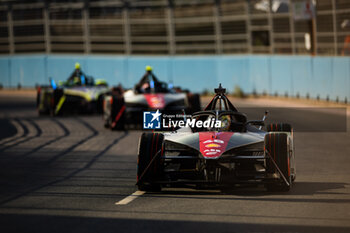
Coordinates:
211 146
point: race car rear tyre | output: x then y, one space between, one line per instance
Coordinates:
118 113
107 108
149 167
44 102
99 104
279 127
41 105
194 103
276 145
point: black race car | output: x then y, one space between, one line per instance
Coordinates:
125 107
72 97
228 150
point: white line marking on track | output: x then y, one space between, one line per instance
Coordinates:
130 198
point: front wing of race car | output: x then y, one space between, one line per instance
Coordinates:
173 164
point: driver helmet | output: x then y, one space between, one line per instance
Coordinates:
225 122
149 68
77 66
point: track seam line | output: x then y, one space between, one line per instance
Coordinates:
130 198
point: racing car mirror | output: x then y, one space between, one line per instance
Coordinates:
258 123
265 115
264 118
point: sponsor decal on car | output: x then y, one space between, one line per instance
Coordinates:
155 100
213 144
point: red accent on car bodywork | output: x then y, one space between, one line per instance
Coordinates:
118 116
120 113
156 101
213 144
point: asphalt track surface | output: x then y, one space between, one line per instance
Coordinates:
65 174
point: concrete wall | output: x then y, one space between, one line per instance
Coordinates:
292 75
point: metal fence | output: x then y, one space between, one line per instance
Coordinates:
174 27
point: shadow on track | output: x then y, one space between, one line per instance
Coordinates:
7 129
65 134
29 172
260 194
71 148
37 134
25 132
49 223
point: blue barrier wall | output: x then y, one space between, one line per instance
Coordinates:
292 75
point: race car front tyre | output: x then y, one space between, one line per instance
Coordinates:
149 165
276 144
283 127
279 127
